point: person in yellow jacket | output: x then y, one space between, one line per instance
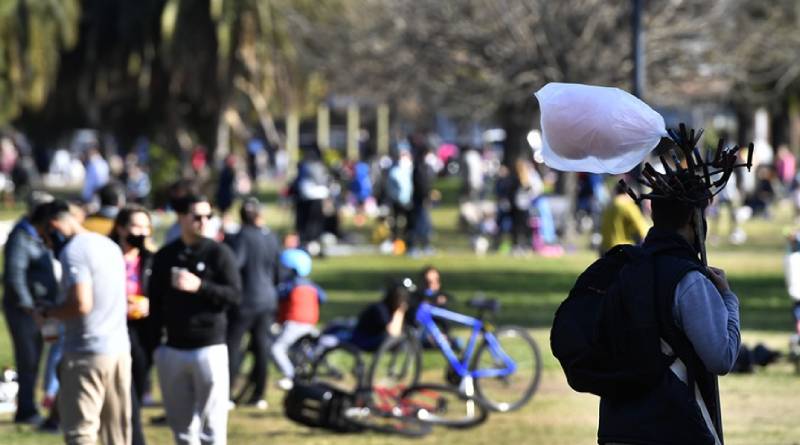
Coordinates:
622 221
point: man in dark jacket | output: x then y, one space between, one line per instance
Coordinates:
257 256
195 282
28 280
420 218
699 326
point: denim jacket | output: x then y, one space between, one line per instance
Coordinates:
28 275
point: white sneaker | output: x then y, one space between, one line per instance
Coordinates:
261 405
285 384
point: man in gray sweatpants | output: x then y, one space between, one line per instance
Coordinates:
195 281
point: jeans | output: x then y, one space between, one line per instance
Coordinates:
27 342
420 226
50 384
292 331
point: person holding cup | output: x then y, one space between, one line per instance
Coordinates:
132 230
195 283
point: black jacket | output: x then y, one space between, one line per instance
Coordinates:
148 332
28 275
194 320
667 414
257 258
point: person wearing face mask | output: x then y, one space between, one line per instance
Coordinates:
132 230
28 278
95 370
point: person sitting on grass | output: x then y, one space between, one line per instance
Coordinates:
374 324
298 310
431 292
381 319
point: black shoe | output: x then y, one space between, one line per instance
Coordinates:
49 426
33 419
159 420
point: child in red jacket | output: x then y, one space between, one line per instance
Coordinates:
298 310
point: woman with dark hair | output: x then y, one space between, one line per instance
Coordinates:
132 230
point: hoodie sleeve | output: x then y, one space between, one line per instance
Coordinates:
710 321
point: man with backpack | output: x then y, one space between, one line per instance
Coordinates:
650 328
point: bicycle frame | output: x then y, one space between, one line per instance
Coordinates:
426 315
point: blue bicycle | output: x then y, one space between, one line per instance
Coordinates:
499 366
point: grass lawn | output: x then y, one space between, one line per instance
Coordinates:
758 409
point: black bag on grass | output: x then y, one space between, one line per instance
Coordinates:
606 334
319 405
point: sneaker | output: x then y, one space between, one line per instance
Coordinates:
285 384
49 426
158 420
34 419
259 404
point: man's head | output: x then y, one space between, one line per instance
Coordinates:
111 195
55 223
679 216
194 211
179 189
35 199
250 212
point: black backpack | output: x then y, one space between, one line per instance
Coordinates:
319 405
606 333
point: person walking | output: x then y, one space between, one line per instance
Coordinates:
95 371
257 253
195 282
700 330
28 280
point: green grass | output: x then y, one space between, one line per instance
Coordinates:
760 408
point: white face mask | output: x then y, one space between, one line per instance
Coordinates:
404 162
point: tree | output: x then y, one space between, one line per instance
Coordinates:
481 58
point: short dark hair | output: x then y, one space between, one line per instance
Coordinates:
250 210
179 189
50 211
111 195
183 204
396 296
671 214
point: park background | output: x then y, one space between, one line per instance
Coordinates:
355 76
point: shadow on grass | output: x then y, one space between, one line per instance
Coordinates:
530 298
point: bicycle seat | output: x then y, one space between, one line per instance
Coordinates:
484 304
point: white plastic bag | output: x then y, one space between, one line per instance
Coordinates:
596 129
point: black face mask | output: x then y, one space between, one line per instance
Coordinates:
136 241
58 241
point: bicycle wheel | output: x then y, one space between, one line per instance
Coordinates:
441 405
507 393
396 364
363 415
340 367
